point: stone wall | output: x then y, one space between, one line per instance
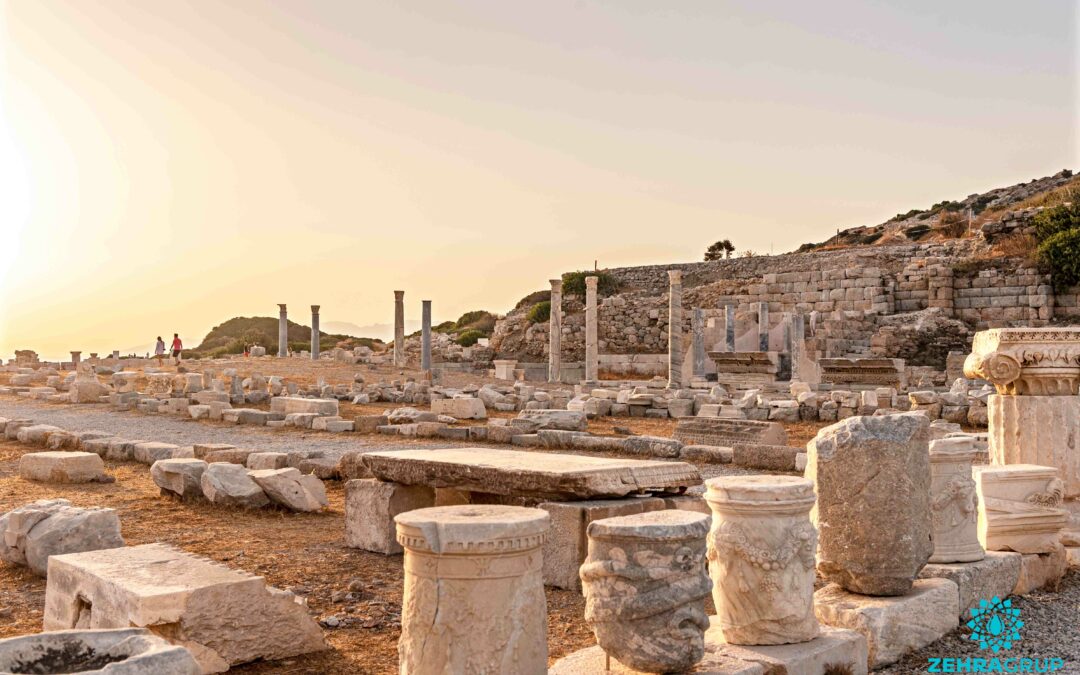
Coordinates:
950 289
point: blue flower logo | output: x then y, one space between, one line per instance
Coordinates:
995 624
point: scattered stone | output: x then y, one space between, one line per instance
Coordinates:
31 533
230 485
291 489
63 467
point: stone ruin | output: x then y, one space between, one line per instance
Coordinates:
122 651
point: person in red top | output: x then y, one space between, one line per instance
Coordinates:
177 346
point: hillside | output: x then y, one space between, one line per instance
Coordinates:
961 218
232 336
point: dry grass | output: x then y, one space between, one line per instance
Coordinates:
1066 193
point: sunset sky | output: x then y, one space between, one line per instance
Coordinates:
165 166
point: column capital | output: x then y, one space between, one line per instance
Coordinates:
674 276
281 306
556 285
315 309
399 295
591 282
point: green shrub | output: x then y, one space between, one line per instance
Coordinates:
916 232
871 238
574 283
1061 253
469 338
533 298
1057 219
445 327
909 214
540 312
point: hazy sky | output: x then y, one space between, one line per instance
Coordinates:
167 165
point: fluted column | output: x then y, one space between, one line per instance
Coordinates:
555 333
592 347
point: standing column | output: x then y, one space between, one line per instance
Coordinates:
674 350
282 331
592 352
798 338
314 332
697 344
474 590
399 329
425 336
763 326
729 327
555 333
76 357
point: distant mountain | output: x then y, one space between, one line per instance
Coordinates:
232 336
379 331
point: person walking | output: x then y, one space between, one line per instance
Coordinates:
159 350
177 347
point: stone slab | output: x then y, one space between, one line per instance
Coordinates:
529 474
894 625
1041 570
725 432
995 575
57 466
370 507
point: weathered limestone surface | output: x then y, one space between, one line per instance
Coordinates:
893 626
592 345
57 466
555 333
994 575
283 331
123 651
726 432
224 616
31 533
152 451
1027 361
675 321
761 558
645 587
291 489
36 434
370 508
872 476
474 595
1019 508
1041 570
230 484
954 502
461 408
399 329
567 420
294 404
182 477
568 546
529 474
1041 430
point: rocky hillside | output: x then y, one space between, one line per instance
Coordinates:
232 336
991 213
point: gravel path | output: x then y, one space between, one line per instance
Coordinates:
1051 629
181 431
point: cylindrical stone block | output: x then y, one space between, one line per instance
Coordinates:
761 558
954 503
283 331
399 329
675 321
645 587
474 590
425 335
592 345
555 333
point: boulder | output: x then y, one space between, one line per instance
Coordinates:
36 434
31 533
568 420
152 451
872 477
182 477
230 484
291 489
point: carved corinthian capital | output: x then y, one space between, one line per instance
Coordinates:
1027 361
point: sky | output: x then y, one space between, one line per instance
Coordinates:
165 166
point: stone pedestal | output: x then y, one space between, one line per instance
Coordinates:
555 333
75 358
1019 508
953 502
425 335
675 316
370 508
592 345
314 332
761 558
645 587
399 329
1042 430
872 476
283 331
474 595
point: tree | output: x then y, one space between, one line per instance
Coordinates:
721 249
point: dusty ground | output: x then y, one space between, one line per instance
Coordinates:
303 552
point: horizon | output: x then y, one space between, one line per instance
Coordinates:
158 175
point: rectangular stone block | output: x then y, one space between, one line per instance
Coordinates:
1041 570
201 450
567 544
995 575
150 452
893 626
295 404
370 507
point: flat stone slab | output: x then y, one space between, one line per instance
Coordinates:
224 616
726 432
530 474
57 466
995 575
844 651
296 404
892 625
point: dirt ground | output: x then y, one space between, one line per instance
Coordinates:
301 552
